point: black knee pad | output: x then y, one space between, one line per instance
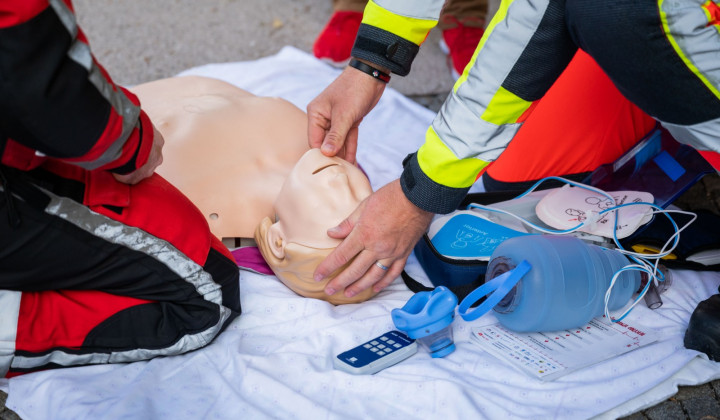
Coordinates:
703 332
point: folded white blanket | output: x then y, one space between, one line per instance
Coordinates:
275 361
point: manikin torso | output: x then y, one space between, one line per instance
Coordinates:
228 150
244 161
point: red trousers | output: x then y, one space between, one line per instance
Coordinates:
581 123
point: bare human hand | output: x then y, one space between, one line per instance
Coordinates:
154 160
334 116
384 228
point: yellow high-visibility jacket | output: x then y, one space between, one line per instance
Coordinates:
526 46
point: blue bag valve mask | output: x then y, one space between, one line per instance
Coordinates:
427 317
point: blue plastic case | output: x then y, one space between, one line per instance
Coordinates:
658 164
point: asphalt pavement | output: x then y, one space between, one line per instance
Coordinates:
138 41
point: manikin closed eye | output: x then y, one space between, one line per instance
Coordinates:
324 167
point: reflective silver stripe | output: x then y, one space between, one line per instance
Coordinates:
699 42
418 9
185 344
9 312
459 122
129 112
138 240
702 136
469 136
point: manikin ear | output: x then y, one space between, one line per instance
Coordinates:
276 240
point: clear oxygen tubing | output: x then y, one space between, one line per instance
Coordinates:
647 263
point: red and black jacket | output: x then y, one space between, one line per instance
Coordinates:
56 101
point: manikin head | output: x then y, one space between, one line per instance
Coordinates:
318 194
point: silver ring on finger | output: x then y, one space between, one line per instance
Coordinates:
382 266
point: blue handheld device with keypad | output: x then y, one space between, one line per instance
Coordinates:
376 354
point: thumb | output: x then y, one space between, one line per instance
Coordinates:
342 230
335 138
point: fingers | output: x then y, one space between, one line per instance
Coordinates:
351 143
376 277
369 272
154 160
345 251
331 133
318 125
394 272
370 235
334 115
131 178
158 139
339 257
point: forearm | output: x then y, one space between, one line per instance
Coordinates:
54 97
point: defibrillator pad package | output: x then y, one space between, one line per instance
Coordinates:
467 235
567 207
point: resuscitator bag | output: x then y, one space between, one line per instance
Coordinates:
551 282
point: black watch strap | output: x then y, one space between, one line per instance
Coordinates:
370 70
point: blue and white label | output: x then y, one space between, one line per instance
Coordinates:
469 236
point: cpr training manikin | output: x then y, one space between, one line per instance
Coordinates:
244 161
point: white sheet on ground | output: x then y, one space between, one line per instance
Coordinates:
275 360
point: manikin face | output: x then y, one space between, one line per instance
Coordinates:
318 194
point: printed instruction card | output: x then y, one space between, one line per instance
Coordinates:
550 355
